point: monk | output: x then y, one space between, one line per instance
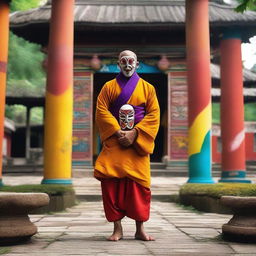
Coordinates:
127 115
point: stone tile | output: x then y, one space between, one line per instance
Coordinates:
52 229
201 232
82 229
243 248
48 236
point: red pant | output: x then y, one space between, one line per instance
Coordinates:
125 197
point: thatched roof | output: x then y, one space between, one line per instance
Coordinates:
132 14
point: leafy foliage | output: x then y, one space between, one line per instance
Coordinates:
249 112
37 115
215 113
26 76
246 5
18 114
25 62
21 5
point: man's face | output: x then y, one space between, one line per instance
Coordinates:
127 64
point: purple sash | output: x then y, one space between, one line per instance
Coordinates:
128 86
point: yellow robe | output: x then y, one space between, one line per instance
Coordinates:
115 160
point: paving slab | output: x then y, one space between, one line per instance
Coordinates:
82 229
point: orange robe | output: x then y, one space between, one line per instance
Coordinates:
116 161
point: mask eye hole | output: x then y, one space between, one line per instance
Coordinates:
131 61
123 61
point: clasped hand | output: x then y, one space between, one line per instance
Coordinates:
126 138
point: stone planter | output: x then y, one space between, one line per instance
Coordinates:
205 203
57 203
242 226
15 225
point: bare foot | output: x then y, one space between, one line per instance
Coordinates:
117 233
141 234
144 237
116 236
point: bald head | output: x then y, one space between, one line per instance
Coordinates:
127 62
127 53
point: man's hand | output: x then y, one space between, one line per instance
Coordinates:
128 138
120 133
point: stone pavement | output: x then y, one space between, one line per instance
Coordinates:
82 229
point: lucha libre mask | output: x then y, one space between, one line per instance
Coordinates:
126 117
128 65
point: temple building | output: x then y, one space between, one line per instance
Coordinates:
155 31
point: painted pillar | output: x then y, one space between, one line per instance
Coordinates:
4 39
232 109
59 95
28 133
199 91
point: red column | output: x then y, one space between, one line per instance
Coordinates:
199 91
4 38
232 109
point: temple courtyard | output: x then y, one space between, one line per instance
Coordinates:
82 229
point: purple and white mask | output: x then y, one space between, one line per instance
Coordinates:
126 117
128 65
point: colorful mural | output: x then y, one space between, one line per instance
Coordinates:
178 113
179 144
179 105
82 120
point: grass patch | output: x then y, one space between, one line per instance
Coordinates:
5 250
219 189
39 188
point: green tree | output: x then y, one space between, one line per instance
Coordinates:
26 76
25 60
21 5
246 5
249 112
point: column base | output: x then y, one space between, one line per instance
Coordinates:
234 180
200 180
237 176
57 181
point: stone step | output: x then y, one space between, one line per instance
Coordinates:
160 198
157 169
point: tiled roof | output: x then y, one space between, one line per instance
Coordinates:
134 12
248 75
9 124
216 92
